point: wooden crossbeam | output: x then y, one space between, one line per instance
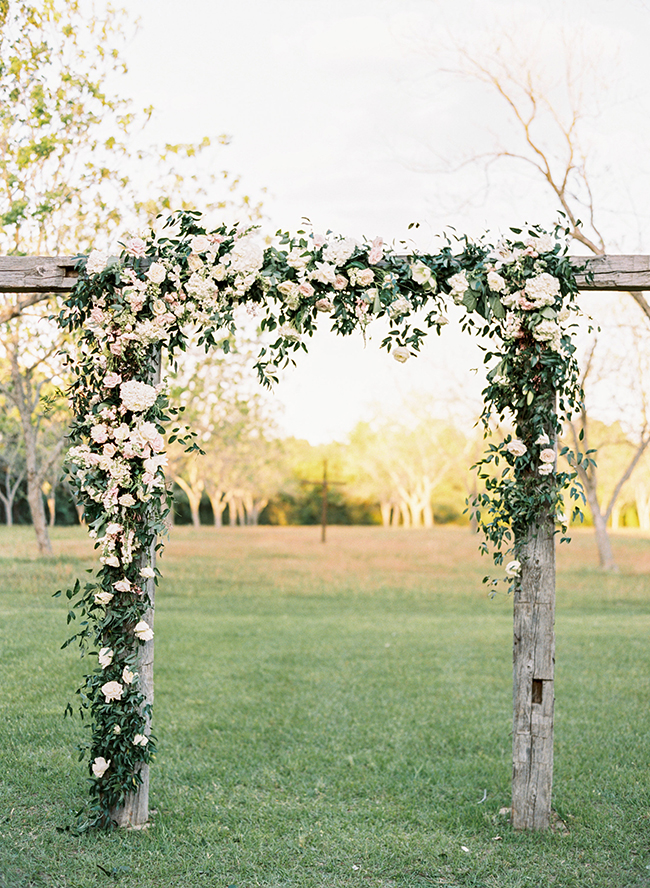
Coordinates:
37 274
56 274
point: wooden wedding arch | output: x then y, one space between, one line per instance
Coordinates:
33 278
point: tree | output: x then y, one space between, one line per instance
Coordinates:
12 461
406 466
549 104
69 174
624 355
235 429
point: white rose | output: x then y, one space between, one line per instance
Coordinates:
543 440
296 259
324 304
546 469
513 568
126 500
148 572
143 631
401 353
112 690
286 331
200 243
103 598
156 273
96 262
105 656
458 283
117 729
127 676
400 306
194 262
548 455
495 282
516 447
137 396
140 740
122 585
100 766
324 272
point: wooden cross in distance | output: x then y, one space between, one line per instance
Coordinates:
325 486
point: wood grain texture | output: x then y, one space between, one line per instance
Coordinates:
533 680
37 274
627 273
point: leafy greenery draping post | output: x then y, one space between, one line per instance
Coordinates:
519 294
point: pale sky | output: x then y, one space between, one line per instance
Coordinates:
343 111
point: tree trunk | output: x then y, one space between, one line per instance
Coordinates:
385 509
605 553
37 509
533 679
194 495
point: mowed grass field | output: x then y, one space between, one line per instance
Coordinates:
333 715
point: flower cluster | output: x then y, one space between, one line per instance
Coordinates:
163 289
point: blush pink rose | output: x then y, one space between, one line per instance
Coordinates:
376 253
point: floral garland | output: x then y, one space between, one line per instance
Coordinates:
165 288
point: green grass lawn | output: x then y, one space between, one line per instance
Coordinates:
333 715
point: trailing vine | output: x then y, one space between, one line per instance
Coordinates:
192 282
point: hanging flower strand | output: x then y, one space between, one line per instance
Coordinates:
162 290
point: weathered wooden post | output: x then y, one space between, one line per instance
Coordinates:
533 679
134 814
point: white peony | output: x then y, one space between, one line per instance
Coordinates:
97 262
339 251
247 256
542 289
137 396
298 259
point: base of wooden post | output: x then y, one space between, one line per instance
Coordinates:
134 814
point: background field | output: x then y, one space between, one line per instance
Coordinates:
333 715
